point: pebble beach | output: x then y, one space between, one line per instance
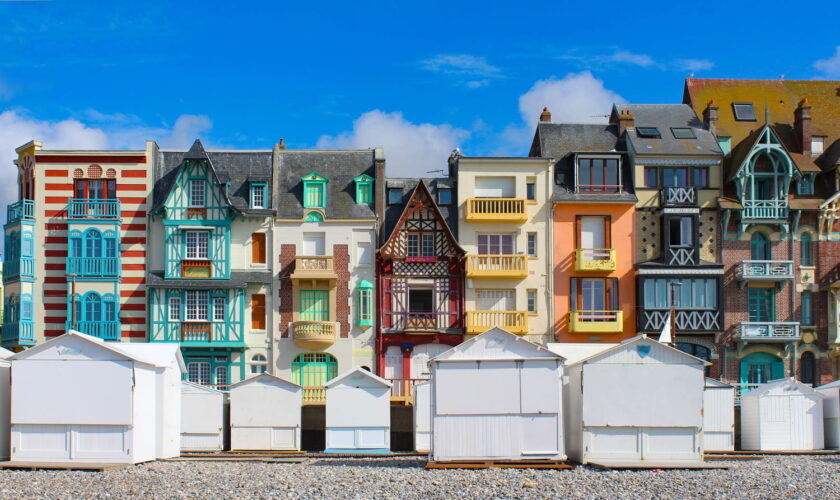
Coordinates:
787 477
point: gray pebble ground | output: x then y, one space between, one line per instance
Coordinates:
772 477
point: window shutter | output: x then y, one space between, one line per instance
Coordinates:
258 248
258 311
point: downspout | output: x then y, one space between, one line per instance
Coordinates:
794 229
550 250
724 230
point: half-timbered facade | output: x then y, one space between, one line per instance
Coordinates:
209 280
420 280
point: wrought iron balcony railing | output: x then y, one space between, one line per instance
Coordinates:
769 331
766 270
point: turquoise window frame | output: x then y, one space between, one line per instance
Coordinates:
364 189
761 304
264 187
760 246
364 303
807 313
774 367
314 369
312 183
806 249
725 144
314 216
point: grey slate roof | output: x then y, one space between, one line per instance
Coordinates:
238 279
395 211
239 168
665 116
339 167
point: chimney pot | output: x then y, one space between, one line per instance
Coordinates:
282 143
545 116
626 121
710 117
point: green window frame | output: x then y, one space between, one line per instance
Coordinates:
364 189
314 369
806 249
761 304
759 246
807 313
364 304
314 305
725 144
314 190
314 217
258 194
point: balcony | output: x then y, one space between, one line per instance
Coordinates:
83 208
199 333
18 333
94 267
314 267
21 267
402 389
196 269
766 270
677 197
765 209
512 321
497 266
686 320
314 395
314 335
497 210
596 321
595 259
422 322
23 209
682 256
106 330
769 331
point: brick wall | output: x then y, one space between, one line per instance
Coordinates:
287 267
343 294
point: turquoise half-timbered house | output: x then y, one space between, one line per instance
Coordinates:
210 276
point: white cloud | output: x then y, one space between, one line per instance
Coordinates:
472 71
831 65
577 97
411 150
693 64
625 56
590 59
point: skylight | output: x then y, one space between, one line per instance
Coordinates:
650 132
744 111
683 133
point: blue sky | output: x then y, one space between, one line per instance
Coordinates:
417 79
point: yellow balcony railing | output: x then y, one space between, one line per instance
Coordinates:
512 321
314 335
497 266
596 321
595 259
497 210
314 395
317 267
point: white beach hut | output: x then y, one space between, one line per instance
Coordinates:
782 415
497 396
423 417
831 413
265 414
718 416
76 398
5 402
202 417
358 413
639 402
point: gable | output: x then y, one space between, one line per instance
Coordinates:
358 377
267 380
642 350
192 388
494 344
216 205
72 347
782 387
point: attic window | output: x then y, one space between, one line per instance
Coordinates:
364 188
258 195
817 145
648 132
395 196
683 133
314 190
744 111
444 196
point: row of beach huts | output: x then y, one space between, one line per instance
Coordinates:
496 396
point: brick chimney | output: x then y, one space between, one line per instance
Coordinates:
545 116
626 121
802 125
710 117
281 144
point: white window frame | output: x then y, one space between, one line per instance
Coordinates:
500 240
175 308
531 299
197 245
532 240
258 197
197 305
219 312
197 199
360 252
197 371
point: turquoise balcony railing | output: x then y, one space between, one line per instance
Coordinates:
21 267
22 332
765 209
94 267
106 330
23 209
83 208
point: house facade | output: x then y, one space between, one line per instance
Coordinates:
325 236
780 184
75 245
420 280
504 213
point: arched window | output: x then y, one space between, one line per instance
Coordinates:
93 243
807 368
92 307
806 249
759 246
314 369
314 217
258 364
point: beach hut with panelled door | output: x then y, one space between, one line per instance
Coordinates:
718 416
423 417
497 396
358 413
831 413
202 417
5 402
265 414
639 402
77 398
782 415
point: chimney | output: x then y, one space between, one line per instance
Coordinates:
282 144
379 187
710 117
802 125
626 121
545 116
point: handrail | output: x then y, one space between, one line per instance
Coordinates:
96 208
22 209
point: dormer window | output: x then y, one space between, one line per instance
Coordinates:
258 194
598 175
744 111
725 144
197 193
314 190
395 196
364 189
683 133
444 196
648 132
805 185
817 145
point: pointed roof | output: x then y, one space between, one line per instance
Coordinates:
830 385
710 382
638 339
5 353
192 386
496 344
196 152
266 378
356 372
787 384
743 150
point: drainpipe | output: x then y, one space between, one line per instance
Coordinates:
550 250
795 228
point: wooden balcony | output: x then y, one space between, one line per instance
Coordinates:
678 197
512 321
314 267
595 259
766 270
313 335
687 320
596 321
497 210
402 389
497 266
765 209
198 331
196 269
769 331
